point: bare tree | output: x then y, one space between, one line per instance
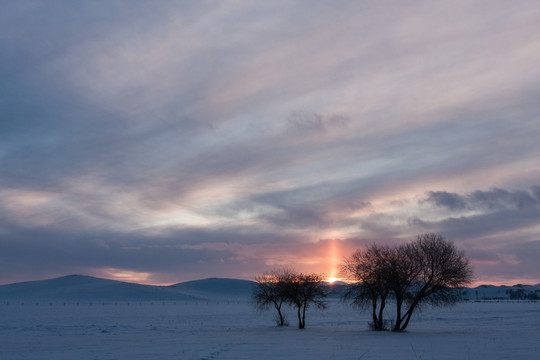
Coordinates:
436 268
367 267
304 290
271 290
425 271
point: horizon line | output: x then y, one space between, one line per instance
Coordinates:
473 284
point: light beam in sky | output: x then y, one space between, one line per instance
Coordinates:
334 259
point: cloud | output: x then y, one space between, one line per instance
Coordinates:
446 199
500 199
139 131
498 227
491 200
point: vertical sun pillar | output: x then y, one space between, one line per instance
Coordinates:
333 257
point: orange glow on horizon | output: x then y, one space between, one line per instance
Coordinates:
132 276
497 281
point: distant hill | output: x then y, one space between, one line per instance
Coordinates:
492 292
87 288
217 288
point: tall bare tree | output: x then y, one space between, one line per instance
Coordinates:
425 271
437 268
371 288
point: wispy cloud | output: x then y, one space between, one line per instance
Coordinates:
190 139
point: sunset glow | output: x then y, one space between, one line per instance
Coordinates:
124 275
334 258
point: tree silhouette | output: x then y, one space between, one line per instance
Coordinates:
425 271
279 287
368 267
437 268
270 290
305 290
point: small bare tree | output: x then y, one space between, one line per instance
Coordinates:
271 291
304 290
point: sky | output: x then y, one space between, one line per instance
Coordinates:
167 141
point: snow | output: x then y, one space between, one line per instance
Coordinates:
217 288
484 292
214 319
234 330
79 287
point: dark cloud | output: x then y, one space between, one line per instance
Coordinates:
492 226
492 200
500 199
446 199
324 205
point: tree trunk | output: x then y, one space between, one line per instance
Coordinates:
281 319
380 325
300 323
404 326
397 326
277 306
304 316
374 313
408 315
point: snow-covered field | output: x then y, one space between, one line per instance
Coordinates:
234 330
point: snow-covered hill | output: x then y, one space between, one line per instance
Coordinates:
87 288
217 288
492 292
